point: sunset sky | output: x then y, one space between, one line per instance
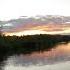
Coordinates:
14 9
10 9
41 29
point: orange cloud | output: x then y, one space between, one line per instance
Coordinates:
49 28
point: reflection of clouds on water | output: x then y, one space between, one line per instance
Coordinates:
57 57
59 66
37 61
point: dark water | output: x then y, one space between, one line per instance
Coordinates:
56 59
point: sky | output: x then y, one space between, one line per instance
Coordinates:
10 9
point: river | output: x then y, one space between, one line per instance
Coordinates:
57 58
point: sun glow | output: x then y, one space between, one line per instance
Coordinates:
27 32
33 32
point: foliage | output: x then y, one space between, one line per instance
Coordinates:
31 43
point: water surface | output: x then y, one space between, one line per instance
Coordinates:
57 58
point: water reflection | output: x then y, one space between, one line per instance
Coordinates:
58 56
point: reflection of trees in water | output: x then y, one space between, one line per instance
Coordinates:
10 45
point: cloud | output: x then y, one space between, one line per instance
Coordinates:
8 24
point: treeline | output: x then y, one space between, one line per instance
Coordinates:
10 45
27 44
